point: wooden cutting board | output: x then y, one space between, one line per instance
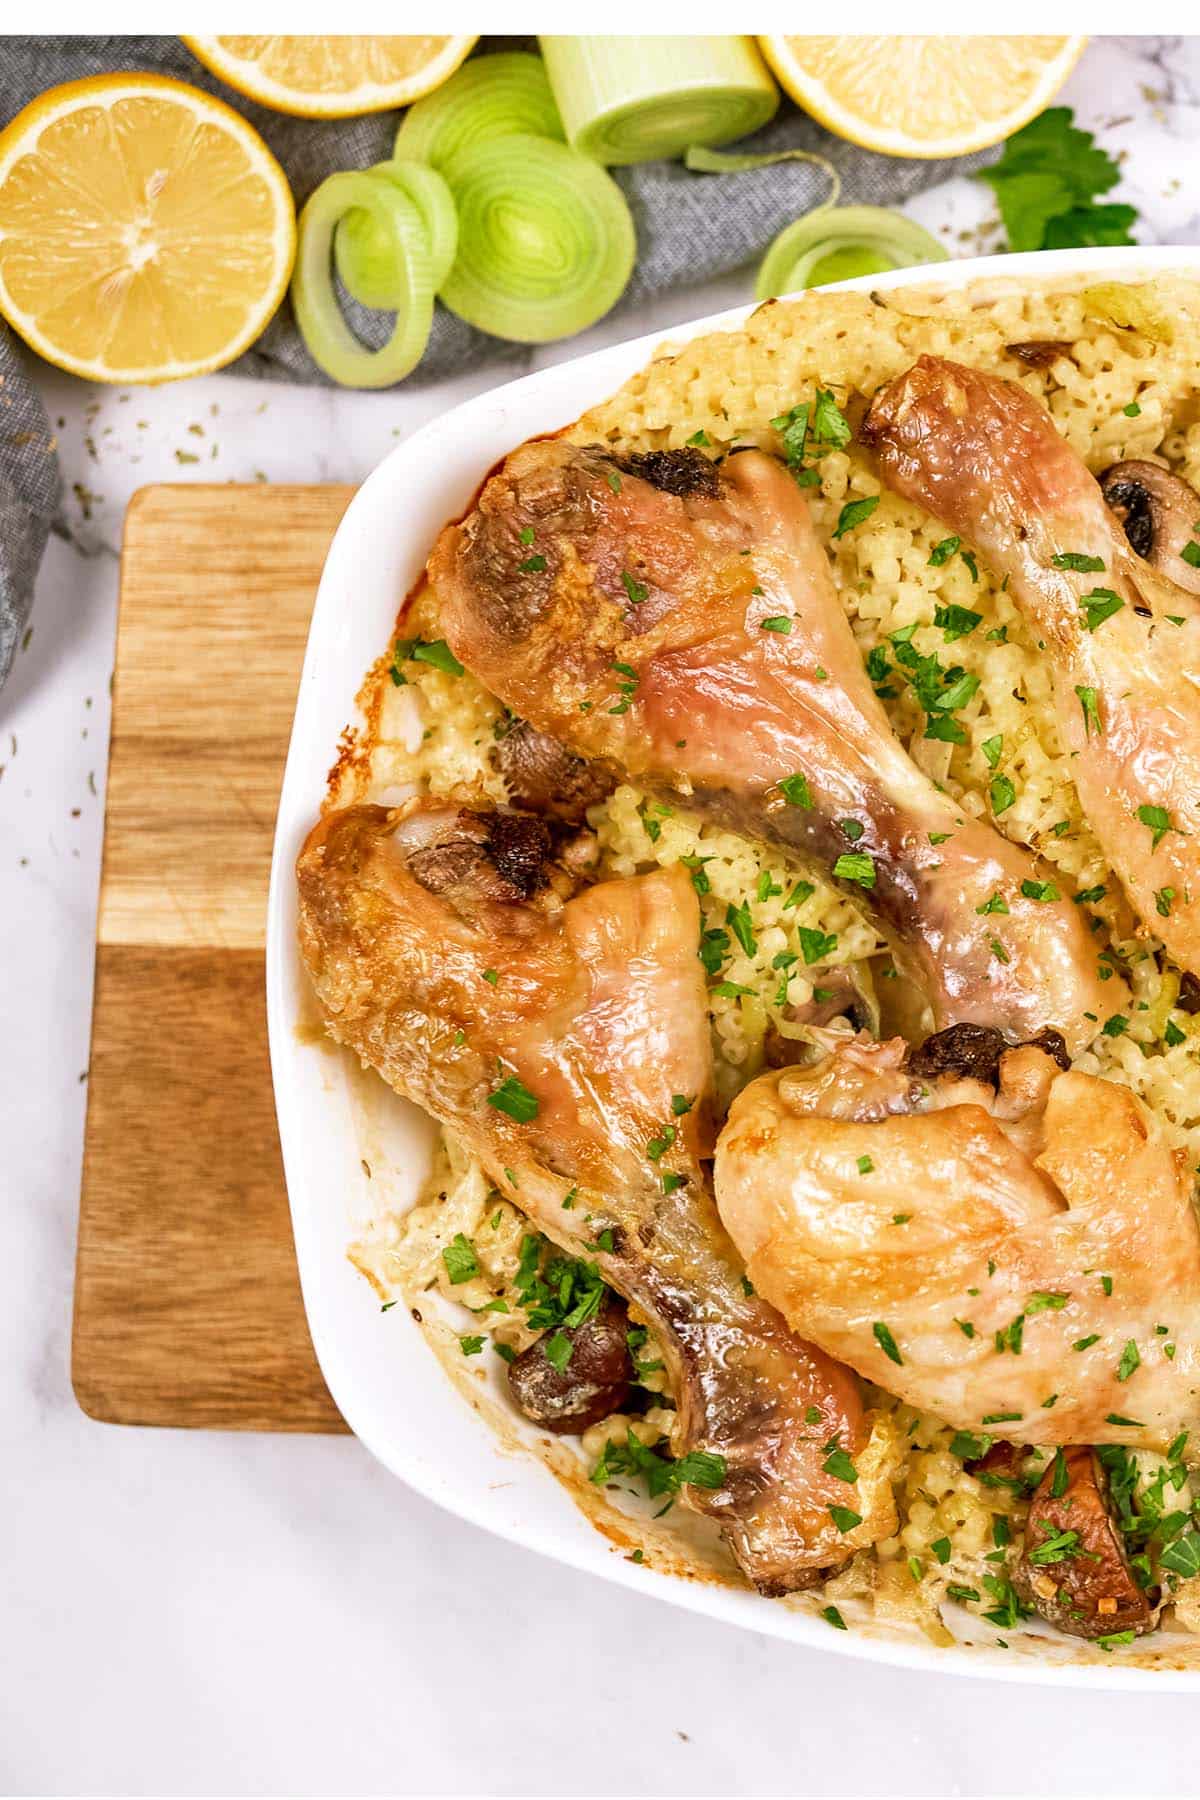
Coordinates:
187 1299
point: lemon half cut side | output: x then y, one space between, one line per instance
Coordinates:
146 231
922 96
331 77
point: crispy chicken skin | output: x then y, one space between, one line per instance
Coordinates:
629 623
985 459
1008 1244
451 961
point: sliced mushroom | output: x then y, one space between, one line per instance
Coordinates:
975 1051
544 777
593 1382
1160 514
1073 1569
1039 353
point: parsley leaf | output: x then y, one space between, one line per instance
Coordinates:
460 1259
1046 185
514 1098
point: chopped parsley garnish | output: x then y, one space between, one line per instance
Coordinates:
731 990
839 1465
809 431
614 480
1004 1418
1191 555
658 1146
1045 1302
1130 1360
816 945
795 791
681 1104
626 687
1115 1026
803 890
1172 1035
557 1351
1120 1419
1132 411
1040 890
969 1446
662 1474
941 1549
460 1259
781 623
714 948
1087 896
1002 792
556 1291
514 1098
956 621
636 590
1162 901
1099 605
845 1518
700 439
992 748
865 1165
1091 712
886 1342
941 553
470 1346
1157 821
738 920
833 1617
854 513
856 866
695 864
437 654
996 903
533 565
1078 563
1182 1556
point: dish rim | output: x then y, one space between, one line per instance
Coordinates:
298 804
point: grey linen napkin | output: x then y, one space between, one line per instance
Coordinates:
689 228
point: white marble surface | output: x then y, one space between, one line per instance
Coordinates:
191 1613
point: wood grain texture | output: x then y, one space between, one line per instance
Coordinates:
187 1299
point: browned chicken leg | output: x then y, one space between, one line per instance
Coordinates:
1021 1259
566 1040
689 634
1124 643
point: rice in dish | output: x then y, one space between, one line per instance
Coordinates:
794 960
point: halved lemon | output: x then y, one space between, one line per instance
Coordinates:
146 231
331 77
922 96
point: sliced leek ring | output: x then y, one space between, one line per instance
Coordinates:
546 242
835 243
363 250
488 98
329 339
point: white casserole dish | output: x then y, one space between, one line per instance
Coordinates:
391 1389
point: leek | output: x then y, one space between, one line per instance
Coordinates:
634 99
363 249
330 341
545 239
488 98
836 243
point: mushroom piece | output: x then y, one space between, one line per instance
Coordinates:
1039 353
593 1382
1160 515
1073 1568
